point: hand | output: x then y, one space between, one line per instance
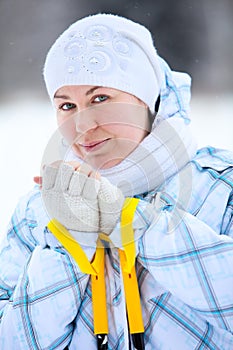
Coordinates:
79 198
69 192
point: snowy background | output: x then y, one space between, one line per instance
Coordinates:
196 38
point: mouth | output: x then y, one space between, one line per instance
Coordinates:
93 146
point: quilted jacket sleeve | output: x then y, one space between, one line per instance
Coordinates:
39 286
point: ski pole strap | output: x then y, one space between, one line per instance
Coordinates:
99 305
127 232
75 250
95 269
132 297
127 262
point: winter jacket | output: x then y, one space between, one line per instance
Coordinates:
184 270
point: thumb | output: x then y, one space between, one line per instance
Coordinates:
37 180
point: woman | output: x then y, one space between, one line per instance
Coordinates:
124 118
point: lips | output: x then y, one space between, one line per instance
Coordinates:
94 145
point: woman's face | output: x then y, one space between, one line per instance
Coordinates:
103 125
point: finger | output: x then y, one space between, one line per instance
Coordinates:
74 164
89 171
91 188
64 175
56 164
37 180
77 183
95 175
49 177
85 169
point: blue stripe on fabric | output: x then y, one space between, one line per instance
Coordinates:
4 286
156 310
84 315
178 99
117 297
1 313
32 224
207 336
191 253
173 88
54 290
226 310
29 328
16 229
87 321
35 196
141 214
42 295
120 341
184 323
61 340
202 274
116 345
216 175
212 152
72 273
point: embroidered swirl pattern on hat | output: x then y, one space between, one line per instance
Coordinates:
99 34
75 48
92 49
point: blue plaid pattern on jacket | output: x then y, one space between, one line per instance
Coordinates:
184 269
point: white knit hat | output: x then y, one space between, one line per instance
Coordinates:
105 50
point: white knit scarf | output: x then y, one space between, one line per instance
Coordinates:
168 148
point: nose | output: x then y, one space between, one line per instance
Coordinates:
85 120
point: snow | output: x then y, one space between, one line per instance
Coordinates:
26 127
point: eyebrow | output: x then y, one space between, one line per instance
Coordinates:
89 92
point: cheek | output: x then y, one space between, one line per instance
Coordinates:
127 132
129 122
67 128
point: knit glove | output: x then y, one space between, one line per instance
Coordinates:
71 197
110 202
80 202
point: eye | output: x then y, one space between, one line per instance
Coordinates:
67 106
100 98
